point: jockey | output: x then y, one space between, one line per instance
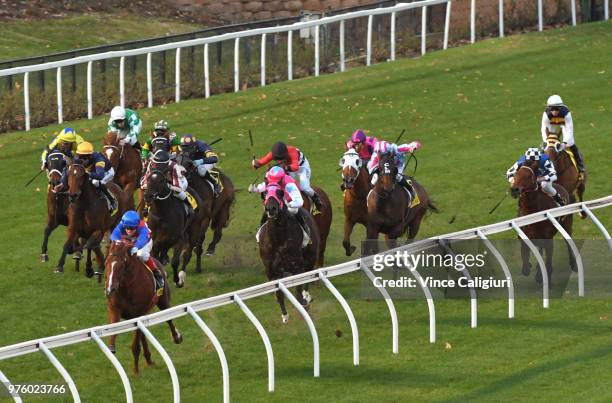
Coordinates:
545 173
160 129
292 195
363 144
203 158
399 158
127 125
557 119
132 228
66 141
293 161
99 168
175 175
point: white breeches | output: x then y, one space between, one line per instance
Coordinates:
303 178
202 169
548 188
144 253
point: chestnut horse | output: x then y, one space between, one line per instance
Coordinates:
322 220
389 205
57 202
532 200
355 187
126 162
88 216
568 175
130 292
280 245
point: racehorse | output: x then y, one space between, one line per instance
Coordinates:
322 220
568 175
391 210
281 245
88 216
532 200
130 293
171 226
57 202
126 162
355 187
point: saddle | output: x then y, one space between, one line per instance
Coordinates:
111 201
413 195
159 282
313 207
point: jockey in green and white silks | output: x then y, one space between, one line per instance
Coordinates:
126 123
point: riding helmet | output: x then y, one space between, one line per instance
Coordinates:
280 151
533 154
358 136
130 219
554 100
67 135
162 126
85 148
117 113
275 174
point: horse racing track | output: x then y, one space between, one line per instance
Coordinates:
453 103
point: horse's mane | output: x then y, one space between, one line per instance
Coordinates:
120 247
110 139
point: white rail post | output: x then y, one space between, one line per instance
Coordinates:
447 23
236 65
501 18
116 364
264 337
217 345
342 67
473 297
575 251
311 326
473 21
536 253
60 368
90 90
5 381
430 304
60 114
289 55
177 76
392 38
598 223
176 391
263 60
349 313
606 10
390 305
149 81
369 41
540 16
573 12
206 73
423 30
505 269
26 100
122 81
316 40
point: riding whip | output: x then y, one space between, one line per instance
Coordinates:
216 141
500 202
400 136
34 177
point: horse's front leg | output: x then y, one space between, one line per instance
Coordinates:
525 258
68 248
346 241
176 256
280 297
51 225
113 317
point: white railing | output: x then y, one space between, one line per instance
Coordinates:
324 274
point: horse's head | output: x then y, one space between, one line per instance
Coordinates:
112 149
77 178
160 143
273 201
157 187
117 265
351 165
525 178
553 145
56 163
387 171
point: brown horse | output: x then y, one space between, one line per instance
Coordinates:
322 220
221 212
126 162
568 175
88 215
280 246
130 293
532 200
389 205
355 187
57 202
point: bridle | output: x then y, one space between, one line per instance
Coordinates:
156 195
350 159
532 174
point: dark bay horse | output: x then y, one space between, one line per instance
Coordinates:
126 162
88 215
532 200
280 246
130 293
389 205
57 202
568 175
355 187
322 220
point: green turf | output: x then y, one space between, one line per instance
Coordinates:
475 108
33 38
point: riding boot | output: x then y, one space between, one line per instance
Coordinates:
159 278
317 202
111 199
558 199
299 216
578 157
216 188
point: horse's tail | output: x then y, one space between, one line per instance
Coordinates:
431 206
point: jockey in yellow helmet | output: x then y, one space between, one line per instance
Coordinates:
66 141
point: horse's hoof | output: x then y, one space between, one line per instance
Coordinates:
210 252
44 258
526 269
112 349
179 338
150 363
285 318
89 272
181 282
59 269
351 250
582 215
307 297
198 269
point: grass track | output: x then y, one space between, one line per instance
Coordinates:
475 109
